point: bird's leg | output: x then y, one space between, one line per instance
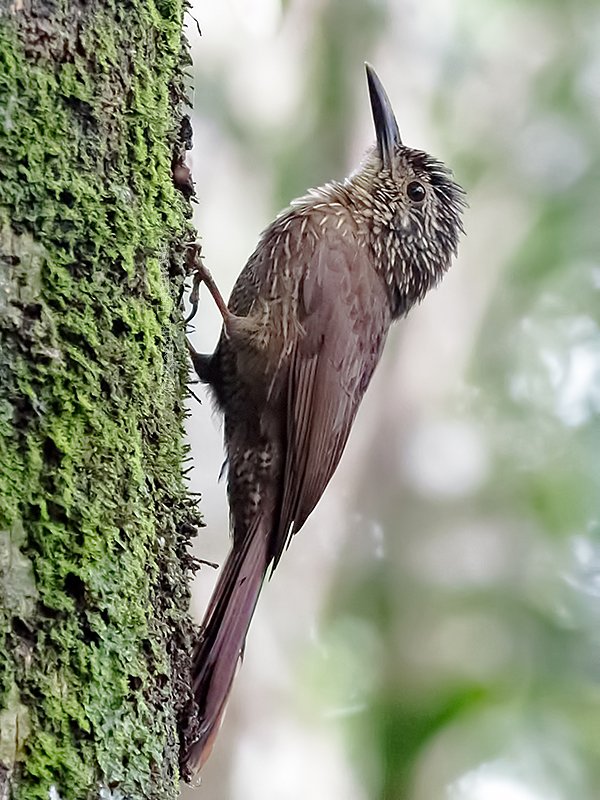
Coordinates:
234 326
202 275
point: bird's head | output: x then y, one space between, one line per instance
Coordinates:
416 208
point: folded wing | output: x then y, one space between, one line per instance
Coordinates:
345 320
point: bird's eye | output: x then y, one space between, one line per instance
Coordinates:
415 191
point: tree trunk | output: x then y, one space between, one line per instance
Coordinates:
94 516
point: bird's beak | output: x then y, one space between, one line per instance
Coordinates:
386 127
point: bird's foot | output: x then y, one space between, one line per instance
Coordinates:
195 267
202 275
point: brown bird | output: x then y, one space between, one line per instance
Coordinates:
302 333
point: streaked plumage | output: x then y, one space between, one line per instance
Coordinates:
308 318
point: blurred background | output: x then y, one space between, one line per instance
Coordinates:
434 631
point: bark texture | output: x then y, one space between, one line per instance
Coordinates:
94 516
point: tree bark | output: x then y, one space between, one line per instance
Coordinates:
94 515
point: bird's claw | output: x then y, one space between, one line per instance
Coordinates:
198 270
202 275
194 296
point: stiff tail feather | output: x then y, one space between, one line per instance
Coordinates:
222 640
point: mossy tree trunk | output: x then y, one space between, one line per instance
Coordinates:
94 516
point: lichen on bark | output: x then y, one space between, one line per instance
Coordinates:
94 515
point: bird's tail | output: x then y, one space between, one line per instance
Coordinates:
222 640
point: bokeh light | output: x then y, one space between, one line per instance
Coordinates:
432 634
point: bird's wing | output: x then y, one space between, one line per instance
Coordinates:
344 313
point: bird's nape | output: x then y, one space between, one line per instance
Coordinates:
303 332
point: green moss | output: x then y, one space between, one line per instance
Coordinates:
92 376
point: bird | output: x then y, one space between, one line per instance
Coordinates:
302 333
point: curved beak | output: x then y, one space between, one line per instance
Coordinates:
386 127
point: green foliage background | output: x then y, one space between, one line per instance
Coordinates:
471 648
